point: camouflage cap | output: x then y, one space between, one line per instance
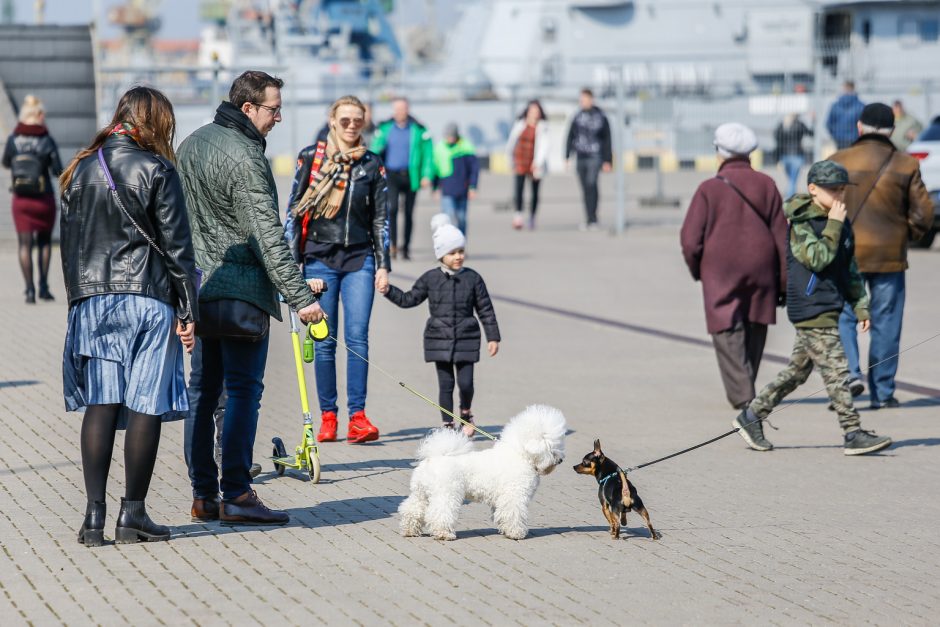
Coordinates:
828 173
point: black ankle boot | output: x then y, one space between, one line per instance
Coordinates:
134 525
44 292
30 295
92 531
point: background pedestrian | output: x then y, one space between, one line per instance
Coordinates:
906 126
789 136
528 149
32 154
843 116
456 174
589 140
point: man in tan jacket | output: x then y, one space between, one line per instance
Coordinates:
888 206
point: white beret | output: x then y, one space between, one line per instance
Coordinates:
733 138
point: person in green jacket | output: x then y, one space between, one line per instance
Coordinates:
405 147
456 174
240 248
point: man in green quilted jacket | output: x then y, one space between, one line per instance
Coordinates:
246 263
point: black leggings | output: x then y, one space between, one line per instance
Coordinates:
520 186
445 384
43 241
140 450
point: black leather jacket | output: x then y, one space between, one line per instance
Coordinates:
363 216
104 253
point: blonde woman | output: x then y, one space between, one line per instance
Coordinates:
32 155
130 274
339 230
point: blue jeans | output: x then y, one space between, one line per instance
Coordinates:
357 290
792 164
456 208
887 311
240 366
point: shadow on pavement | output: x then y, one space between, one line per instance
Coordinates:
16 384
916 442
325 514
381 467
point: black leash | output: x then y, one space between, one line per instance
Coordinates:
683 451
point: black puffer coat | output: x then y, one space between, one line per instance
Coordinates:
452 333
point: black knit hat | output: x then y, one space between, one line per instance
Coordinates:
877 115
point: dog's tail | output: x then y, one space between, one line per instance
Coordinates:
441 442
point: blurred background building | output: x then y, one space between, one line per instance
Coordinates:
667 71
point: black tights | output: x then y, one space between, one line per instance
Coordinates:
43 241
520 187
140 450
445 384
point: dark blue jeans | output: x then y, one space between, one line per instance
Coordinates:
887 292
239 366
357 291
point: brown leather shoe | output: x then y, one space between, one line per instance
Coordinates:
249 510
205 510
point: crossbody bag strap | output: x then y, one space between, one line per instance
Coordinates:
744 198
874 184
120 204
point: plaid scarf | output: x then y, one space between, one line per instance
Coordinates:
127 129
327 186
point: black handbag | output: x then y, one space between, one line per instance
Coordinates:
232 319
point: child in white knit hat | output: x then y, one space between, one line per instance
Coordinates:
456 296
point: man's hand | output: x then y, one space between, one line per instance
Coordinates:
316 285
567 165
187 334
381 280
311 313
471 194
866 325
425 183
493 348
838 211
436 194
606 167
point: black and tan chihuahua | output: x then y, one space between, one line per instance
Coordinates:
616 494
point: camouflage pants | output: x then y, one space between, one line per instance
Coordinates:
813 347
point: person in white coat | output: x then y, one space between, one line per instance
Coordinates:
528 153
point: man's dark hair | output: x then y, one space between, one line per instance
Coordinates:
586 91
849 85
250 87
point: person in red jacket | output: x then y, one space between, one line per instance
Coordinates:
734 240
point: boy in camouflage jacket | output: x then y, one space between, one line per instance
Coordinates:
821 277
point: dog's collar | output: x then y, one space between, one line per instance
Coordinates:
604 480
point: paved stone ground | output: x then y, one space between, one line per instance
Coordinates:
799 535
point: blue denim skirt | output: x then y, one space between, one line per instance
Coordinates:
123 349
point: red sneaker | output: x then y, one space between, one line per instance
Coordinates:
360 429
327 427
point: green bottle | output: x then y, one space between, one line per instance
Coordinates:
308 349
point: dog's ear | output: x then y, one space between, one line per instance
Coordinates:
597 447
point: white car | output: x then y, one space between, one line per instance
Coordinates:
927 150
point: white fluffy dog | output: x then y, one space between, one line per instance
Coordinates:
504 477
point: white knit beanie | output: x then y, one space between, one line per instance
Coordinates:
447 238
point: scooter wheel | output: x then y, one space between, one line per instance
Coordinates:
278 451
313 466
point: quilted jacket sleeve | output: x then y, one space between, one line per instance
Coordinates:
175 238
485 311
256 209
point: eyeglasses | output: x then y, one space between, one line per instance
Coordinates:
354 122
275 111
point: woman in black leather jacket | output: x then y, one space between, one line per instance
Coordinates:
130 275
339 229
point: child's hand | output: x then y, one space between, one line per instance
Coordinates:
866 325
838 211
493 348
316 285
